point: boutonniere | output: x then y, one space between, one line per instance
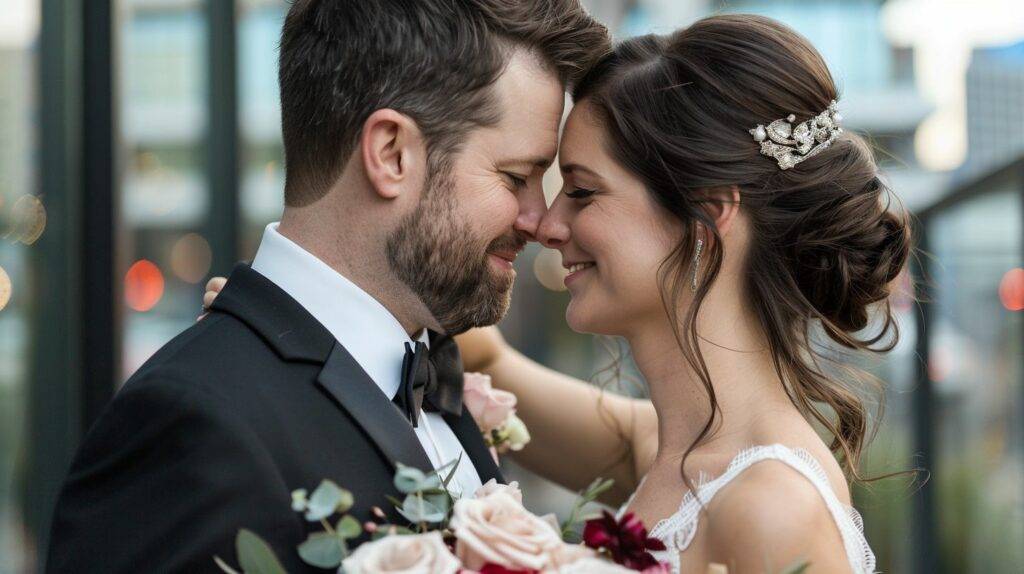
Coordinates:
494 411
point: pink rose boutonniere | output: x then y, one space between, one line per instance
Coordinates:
494 410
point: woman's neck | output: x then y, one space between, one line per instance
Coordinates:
742 375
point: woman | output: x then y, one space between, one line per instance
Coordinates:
724 246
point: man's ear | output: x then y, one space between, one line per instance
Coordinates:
393 153
723 205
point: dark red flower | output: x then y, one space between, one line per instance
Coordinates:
624 540
499 569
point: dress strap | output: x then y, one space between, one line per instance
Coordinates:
678 530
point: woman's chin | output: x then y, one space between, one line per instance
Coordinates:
585 319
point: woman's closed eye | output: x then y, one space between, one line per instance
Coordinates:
580 193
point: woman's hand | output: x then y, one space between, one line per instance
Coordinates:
480 348
213 287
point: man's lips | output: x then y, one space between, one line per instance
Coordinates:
509 256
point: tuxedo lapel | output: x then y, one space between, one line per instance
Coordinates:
361 398
297 336
469 435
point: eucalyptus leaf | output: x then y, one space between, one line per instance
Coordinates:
346 501
255 556
442 500
409 479
348 527
418 509
326 500
322 550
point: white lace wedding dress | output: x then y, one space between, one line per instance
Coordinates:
678 530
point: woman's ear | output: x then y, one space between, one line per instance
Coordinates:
393 153
723 205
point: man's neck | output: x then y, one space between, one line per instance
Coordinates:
351 256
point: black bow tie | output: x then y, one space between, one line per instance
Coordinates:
431 380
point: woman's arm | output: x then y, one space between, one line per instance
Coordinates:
579 432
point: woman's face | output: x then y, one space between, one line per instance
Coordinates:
612 234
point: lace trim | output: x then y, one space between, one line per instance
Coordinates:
678 530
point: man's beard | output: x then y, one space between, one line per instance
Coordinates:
440 259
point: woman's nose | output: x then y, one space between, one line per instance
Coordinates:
553 230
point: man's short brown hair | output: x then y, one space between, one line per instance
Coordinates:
433 60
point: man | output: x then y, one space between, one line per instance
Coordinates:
416 135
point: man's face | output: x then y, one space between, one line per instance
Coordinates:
455 251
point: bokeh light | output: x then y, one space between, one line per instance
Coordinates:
143 285
5 288
1011 290
29 219
547 266
191 258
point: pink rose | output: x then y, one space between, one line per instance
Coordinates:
493 486
496 529
490 407
408 554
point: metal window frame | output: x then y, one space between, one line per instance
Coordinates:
76 350
926 540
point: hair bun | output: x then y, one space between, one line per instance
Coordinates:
850 249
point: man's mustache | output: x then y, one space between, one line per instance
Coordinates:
508 244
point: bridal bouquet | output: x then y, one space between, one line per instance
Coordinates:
488 533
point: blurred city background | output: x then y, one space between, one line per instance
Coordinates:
140 154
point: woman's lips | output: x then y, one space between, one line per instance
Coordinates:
576 270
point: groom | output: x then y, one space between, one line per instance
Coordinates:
416 135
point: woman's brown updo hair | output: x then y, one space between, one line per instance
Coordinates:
825 245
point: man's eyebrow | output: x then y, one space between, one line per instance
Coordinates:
539 161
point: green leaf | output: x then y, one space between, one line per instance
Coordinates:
348 527
798 568
409 479
322 550
326 500
385 530
583 498
255 556
346 501
455 465
419 509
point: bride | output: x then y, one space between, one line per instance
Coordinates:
716 216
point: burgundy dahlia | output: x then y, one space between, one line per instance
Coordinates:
624 540
490 568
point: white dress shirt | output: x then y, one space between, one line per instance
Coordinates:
367 330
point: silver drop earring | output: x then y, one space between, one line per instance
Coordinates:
696 263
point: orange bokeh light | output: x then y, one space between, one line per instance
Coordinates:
143 285
1011 290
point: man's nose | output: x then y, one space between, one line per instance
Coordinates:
532 208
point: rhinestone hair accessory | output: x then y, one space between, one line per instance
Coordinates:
791 145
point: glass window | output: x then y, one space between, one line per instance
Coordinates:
262 156
975 365
163 257
21 222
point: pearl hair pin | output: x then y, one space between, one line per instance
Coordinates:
790 145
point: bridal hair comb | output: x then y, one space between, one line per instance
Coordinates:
791 145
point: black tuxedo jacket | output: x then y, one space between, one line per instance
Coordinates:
214 432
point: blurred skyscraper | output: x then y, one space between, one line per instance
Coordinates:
995 114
